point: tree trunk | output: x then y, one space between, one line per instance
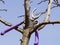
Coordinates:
25 38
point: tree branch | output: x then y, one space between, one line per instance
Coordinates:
9 24
2 1
48 22
48 10
5 22
3 10
57 4
47 13
42 1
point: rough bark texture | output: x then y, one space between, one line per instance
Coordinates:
25 37
27 13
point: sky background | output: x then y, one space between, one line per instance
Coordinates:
49 35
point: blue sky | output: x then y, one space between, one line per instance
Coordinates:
49 35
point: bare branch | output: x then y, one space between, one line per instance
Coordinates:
4 22
56 1
19 30
42 1
21 16
47 13
57 4
3 10
31 2
9 24
48 22
2 1
51 22
54 7
48 10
